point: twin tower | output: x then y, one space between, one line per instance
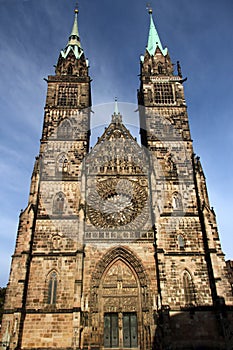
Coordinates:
118 246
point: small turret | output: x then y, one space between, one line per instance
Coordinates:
116 117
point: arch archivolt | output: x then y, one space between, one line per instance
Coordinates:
125 255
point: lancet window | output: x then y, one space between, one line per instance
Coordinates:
52 289
62 165
65 130
70 70
176 201
58 203
181 242
189 291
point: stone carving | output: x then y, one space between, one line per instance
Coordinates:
116 202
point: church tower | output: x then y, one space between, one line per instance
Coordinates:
190 264
48 256
118 247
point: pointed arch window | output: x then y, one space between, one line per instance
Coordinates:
62 164
160 69
176 201
65 130
171 170
70 69
52 289
181 242
168 128
58 203
189 291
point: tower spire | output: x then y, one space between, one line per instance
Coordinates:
153 38
72 60
74 31
74 40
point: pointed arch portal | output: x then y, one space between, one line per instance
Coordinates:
119 293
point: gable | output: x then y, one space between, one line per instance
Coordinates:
117 152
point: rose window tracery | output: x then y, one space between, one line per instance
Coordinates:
115 202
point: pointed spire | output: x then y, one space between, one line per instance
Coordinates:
153 38
116 111
74 31
74 41
74 35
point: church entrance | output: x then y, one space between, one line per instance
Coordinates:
120 313
117 323
120 306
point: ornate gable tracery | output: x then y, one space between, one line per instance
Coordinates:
125 255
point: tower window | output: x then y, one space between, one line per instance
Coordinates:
163 93
62 99
70 70
65 130
189 292
181 242
172 170
62 164
160 69
150 96
67 96
58 203
52 289
176 201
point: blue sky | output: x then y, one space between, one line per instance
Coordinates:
114 34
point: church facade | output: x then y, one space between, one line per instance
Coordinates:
118 246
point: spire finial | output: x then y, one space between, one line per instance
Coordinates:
74 31
116 111
76 7
149 8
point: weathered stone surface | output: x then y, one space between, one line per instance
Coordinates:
122 234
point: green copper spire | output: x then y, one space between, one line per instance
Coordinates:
74 31
153 39
74 41
116 111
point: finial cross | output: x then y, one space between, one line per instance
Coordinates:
148 7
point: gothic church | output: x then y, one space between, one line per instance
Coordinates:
118 246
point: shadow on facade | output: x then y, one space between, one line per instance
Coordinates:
193 328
